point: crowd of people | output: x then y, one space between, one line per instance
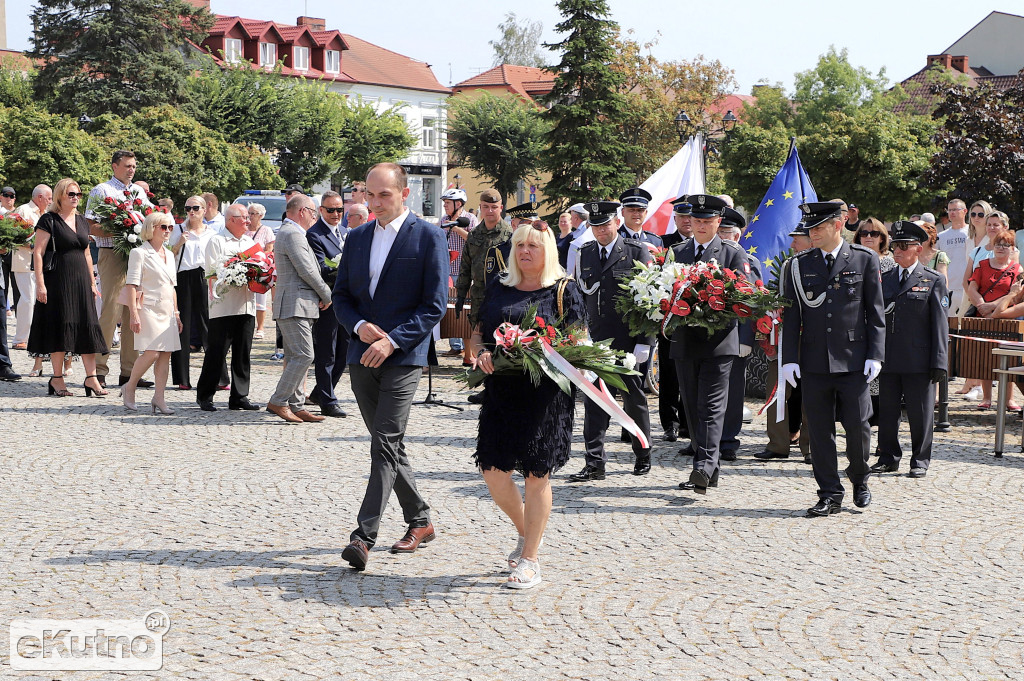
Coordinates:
365 284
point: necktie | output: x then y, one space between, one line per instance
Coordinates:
700 251
903 277
604 257
829 261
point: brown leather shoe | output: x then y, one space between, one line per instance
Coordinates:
284 412
413 538
308 417
356 554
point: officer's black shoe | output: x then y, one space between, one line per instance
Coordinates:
687 451
8 374
808 460
711 483
917 472
587 474
728 456
476 398
333 410
643 464
243 404
625 437
672 433
824 507
769 454
206 405
884 468
861 495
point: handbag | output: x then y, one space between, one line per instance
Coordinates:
50 256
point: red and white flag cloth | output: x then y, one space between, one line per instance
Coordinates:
683 174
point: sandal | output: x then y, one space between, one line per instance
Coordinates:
1012 406
513 558
525 576
35 373
984 405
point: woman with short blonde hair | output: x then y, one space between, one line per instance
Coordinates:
538 236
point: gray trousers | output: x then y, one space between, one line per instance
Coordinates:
385 395
297 335
705 385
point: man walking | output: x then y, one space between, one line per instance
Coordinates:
301 296
391 290
330 339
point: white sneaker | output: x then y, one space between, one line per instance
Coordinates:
974 394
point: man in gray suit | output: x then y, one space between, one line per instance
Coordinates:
301 295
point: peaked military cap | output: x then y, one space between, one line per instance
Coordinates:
601 212
799 230
905 230
706 205
682 205
524 211
818 212
732 218
636 197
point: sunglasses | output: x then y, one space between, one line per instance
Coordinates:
872 234
332 211
8 196
1001 247
166 228
189 209
904 245
75 195
977 215
539 226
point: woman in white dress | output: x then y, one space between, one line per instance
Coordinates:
152 309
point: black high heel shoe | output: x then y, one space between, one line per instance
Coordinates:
50 390
100 392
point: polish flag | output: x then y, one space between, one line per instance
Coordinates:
683 174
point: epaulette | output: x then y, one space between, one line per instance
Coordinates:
804 254
930 271
592 242
858 247
633 241
733 244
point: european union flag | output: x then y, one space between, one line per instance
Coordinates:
779 211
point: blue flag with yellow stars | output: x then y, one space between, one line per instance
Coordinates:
778 213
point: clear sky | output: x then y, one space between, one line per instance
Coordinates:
760 39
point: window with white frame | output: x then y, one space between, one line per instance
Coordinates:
300 57
332 61
268 54
429 133
232 50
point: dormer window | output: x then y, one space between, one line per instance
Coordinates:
232 50
268 54
300 58
332 61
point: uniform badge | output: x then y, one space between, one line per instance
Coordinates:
489 265
746 268
945 301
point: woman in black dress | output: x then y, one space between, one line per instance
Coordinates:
64 319
525 427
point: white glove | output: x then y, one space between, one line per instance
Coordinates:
641 352
590 376
745 350
872 367
790 372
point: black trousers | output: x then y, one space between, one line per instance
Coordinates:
820 393
595 420
234 333
330 346
734 410
919 394
705 385
9 282
193 306
670 403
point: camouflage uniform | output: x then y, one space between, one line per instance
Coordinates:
472 275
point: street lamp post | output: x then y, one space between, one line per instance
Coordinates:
457 178
715 134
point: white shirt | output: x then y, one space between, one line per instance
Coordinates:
193 252
577 243
834 254
953 242
236 301
909 270
383 239
115 189
697 244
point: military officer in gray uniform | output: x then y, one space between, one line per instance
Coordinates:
834 341
916 346
634 212
602 265
704 361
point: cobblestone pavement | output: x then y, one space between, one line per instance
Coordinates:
233 523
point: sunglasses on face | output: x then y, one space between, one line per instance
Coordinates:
977 215
166 228
873 234
1001 247
904 245
333 211
189 209
8 196
75 195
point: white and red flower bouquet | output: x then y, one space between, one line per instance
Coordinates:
15 232
122 219
252 268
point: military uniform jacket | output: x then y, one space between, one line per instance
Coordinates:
916 328
644 236
472 279
604 321
696 343
746 329
848 326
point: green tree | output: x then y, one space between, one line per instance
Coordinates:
369 137
499 137
179 157
835 85
116 56
311 150
586 154
519 42
751 158
15 85
43 148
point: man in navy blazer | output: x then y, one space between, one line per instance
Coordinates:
330 339
391 290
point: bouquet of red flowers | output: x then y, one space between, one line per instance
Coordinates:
122 220
525 348
252 268
14 232
664 294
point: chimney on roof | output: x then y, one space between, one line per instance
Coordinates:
943 60
313 23
960 63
